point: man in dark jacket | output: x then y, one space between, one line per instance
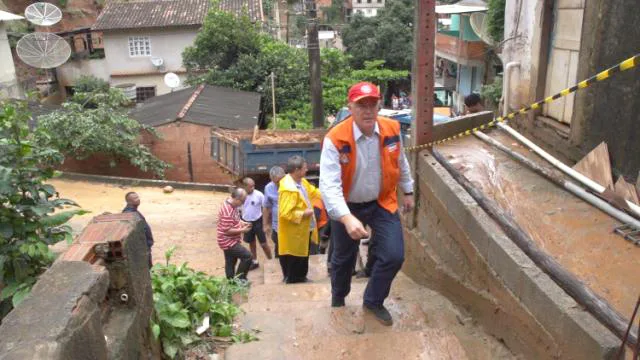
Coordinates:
133 201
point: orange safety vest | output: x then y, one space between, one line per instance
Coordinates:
323 220
342 138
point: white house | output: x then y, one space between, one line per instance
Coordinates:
367 8
143 40
9 86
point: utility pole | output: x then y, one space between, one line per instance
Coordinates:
273 97
313 46
423 76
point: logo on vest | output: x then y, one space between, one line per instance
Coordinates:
344 158
392 147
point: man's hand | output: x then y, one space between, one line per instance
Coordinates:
408 203
245 227
354 227
307 213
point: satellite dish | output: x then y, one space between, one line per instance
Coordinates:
43 14
43 50
172 80
157 61
480 25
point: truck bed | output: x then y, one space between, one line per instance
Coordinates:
269 138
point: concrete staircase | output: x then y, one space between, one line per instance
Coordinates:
296 321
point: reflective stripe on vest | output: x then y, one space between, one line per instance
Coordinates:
342 138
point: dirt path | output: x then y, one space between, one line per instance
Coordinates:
184 218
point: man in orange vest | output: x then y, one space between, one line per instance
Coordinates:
361 166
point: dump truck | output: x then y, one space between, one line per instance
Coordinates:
254 152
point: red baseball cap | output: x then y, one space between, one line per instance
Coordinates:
363 90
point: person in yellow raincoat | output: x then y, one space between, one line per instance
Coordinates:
296 221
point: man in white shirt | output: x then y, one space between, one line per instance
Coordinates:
252 213
361 168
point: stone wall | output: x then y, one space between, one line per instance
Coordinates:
456 249
87 306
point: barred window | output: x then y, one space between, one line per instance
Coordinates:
139 46
145 92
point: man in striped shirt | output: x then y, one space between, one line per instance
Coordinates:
229 230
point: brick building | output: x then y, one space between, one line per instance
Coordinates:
183 120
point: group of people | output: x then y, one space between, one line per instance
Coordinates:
362 169
291 210
400 102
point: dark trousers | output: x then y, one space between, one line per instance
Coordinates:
389 252
256 231
294 268
274 238
231 257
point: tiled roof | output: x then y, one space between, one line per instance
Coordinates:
164 13
253 8
149 14
212 106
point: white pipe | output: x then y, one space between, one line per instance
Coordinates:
560 165
506 86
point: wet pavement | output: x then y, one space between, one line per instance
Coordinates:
295 321
578 235
184 218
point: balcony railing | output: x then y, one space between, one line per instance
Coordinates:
448 42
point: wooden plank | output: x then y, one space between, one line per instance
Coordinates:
626 190
597 166
460 124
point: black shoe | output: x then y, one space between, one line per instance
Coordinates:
254 266
337 302
381 313
362 274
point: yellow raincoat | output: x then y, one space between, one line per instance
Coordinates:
293 229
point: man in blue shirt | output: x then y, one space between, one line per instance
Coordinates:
270 213
133 201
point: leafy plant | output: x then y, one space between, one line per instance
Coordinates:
183 297
492 92
89 84
97 123
32 216
495 18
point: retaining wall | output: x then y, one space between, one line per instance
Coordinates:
454 247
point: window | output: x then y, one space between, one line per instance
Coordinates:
139 46
359 1
368 11
145 92
368 1
359 12
379 1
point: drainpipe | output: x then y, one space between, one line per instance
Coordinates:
564 168
506 85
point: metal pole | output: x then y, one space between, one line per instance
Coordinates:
273 97
423 76
314 65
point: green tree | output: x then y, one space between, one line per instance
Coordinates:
387 36
89 84
80 131
495 15
221 41
32 216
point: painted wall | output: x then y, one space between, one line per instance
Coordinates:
519 21
367 9
9 87
70 71
165 43
156 80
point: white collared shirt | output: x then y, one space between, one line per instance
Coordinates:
367 177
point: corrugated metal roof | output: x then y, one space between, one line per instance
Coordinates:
149 14
163 13
214 106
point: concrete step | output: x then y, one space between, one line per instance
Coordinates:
317 270
424 344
